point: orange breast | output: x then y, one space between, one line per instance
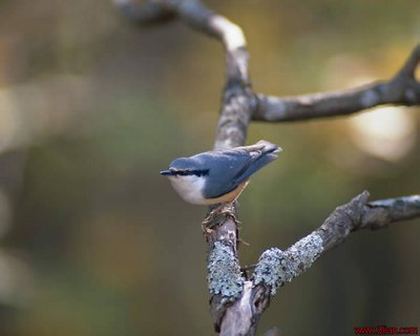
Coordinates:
230 196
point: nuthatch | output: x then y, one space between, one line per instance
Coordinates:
218 176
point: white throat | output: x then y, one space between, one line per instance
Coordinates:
189 187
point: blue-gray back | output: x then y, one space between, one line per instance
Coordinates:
229 168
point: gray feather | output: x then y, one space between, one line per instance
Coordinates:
229 168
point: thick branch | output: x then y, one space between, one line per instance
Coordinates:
226 285
238 103
402 89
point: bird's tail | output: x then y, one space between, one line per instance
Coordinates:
262 153
263 147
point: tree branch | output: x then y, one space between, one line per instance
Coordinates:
147 13
238 103
237 301
276 267
402 89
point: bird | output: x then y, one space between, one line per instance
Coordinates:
218 176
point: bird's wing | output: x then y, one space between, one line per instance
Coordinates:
232 167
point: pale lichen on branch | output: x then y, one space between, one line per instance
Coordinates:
224 274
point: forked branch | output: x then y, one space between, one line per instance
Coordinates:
276 267
237 301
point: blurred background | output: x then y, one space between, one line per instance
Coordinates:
93 241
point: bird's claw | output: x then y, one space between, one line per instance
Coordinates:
216 216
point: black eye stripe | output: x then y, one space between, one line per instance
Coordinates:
196 172
200 172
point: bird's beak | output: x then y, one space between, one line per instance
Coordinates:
166 172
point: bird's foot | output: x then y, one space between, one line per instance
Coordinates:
217 215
